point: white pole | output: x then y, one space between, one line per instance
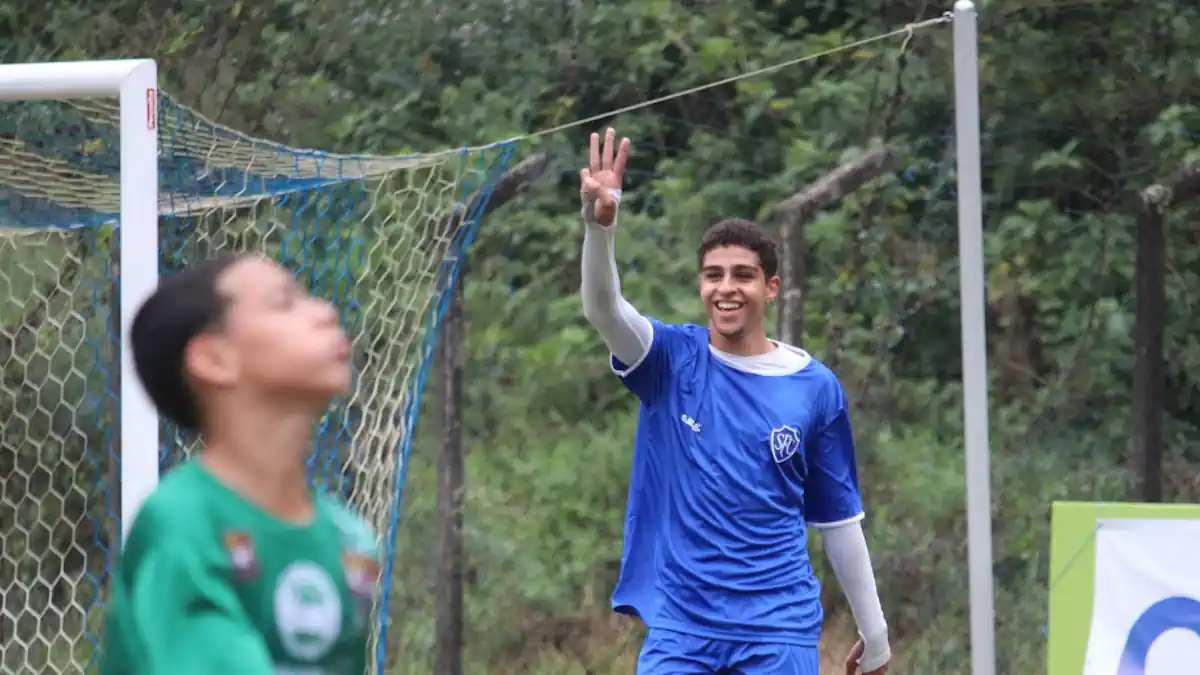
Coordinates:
64 80
974 339
137 237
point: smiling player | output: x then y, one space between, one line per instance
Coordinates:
742 443
235 564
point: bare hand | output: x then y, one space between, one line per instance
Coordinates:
605 171
853 657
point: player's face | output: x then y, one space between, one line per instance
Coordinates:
735 291
280 339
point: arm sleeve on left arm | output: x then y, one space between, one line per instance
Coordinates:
846 547
625 331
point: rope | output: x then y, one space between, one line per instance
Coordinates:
907 31
381 164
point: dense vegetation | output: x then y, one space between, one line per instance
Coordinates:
1084 105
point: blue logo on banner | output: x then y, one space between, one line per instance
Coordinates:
1164 615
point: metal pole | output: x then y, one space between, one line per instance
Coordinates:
974 339
137 239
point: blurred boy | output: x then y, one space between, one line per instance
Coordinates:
236 564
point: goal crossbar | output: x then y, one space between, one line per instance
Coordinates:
70 79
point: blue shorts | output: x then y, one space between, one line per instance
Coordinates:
670 653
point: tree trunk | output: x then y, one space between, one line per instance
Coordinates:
796 211
451 455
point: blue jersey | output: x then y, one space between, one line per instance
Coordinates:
729 468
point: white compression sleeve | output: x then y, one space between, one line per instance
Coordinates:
627 333
846 547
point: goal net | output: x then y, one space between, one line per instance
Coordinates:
382 237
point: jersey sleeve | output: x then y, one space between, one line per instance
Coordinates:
831 495
184 613
357 536
648 377
191 622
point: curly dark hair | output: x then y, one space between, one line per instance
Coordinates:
748 235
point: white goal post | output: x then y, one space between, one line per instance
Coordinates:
134 82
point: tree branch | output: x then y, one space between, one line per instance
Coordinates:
514 181
1182 187
796 211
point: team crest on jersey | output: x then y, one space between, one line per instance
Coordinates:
243 560
785 442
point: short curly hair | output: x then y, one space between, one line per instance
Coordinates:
746 234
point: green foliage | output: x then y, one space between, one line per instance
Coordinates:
1083 105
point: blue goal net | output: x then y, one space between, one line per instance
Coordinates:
384 238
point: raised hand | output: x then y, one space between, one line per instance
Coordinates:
604 173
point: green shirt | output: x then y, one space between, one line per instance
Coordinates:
209 584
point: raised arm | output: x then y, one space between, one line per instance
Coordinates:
627 333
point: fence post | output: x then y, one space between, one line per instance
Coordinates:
450 493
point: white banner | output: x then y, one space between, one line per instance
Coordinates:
1146 602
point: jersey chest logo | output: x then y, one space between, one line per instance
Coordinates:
308 611
785 442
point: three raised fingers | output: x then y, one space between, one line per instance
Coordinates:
609 156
